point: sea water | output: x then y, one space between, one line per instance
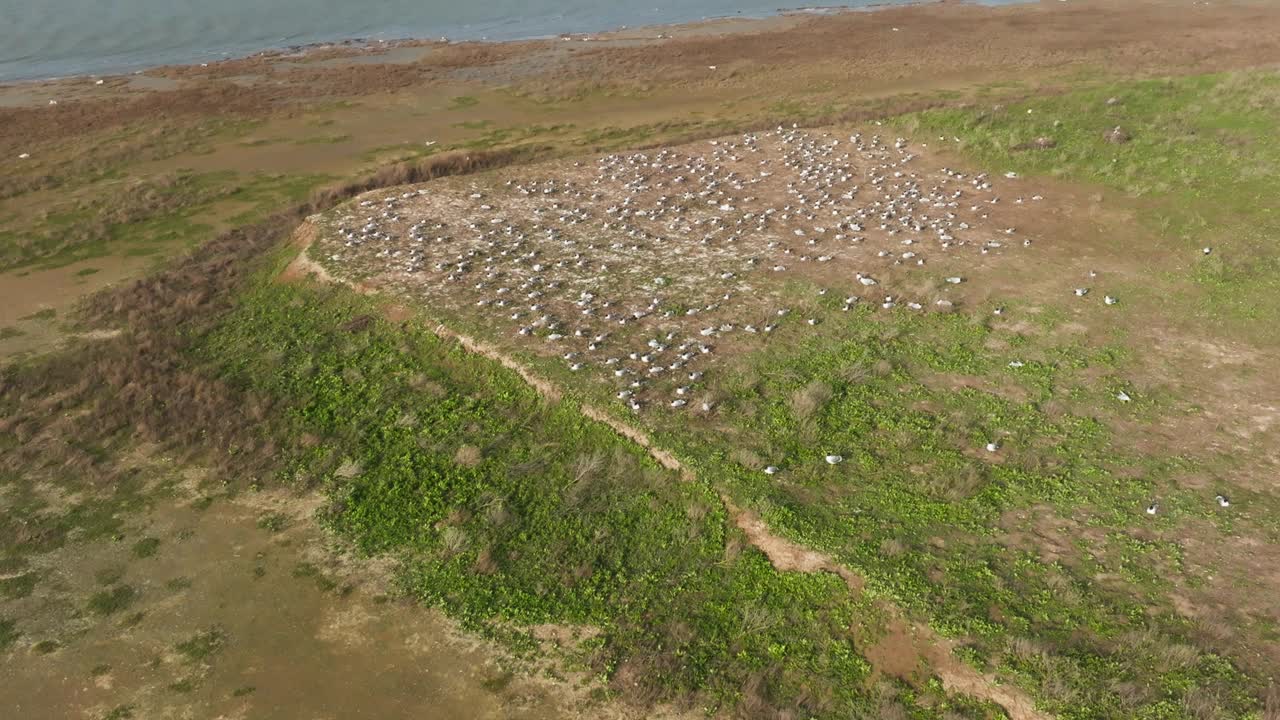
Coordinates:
54 38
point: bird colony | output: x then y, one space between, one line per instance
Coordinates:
640 270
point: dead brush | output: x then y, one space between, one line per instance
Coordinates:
1201 705
586 470
453 540
746 457
142 386
955 485
1027 650
809 400
468 456
496 513
1131 694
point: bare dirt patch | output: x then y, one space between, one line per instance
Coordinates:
236 616
637 270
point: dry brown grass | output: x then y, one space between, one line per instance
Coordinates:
468 456
808 401
140 386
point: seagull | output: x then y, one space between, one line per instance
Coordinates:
993 446
1152 508
1081 292
1223 501
834 459
1207 250
24 156
771 470
1123 396
1110 300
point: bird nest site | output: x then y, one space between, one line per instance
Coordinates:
915 369
641 270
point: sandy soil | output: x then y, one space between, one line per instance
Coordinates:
924 46
300 632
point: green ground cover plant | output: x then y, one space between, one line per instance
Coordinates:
513 513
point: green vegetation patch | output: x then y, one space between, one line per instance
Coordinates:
119 712
46 647
107 602
146 547
938 522
555 521
203 645
1199 152
273 522
18 586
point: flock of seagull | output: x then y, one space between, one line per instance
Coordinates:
644 264
643 267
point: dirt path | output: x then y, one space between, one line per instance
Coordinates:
303 266
903 650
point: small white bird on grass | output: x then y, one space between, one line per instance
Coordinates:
1153 508
1123 396
993 447
771 470
834 459
1110 300
1223 501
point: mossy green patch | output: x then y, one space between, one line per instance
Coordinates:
146 547
18 586
8 633
202 646
113 600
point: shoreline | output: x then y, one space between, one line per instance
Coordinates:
366 44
